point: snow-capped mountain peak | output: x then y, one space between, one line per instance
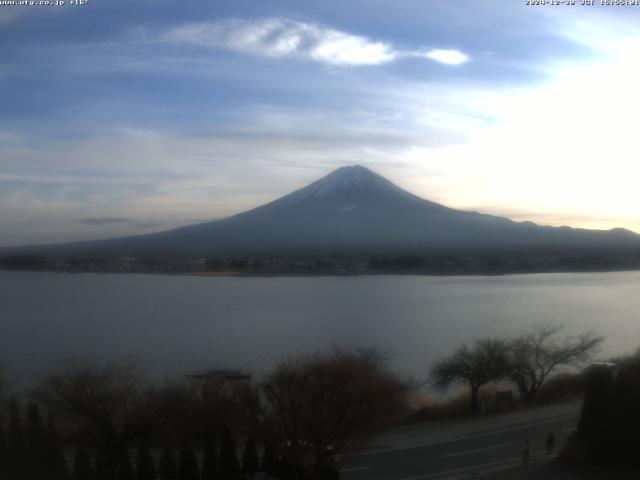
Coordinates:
349 186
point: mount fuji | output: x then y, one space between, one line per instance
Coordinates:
356 211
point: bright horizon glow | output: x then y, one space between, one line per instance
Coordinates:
577 137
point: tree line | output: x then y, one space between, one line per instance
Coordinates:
292 425
31 451
36 452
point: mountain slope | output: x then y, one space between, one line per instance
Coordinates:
356 211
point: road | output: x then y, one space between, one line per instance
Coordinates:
474 453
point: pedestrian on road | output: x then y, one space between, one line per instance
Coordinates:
526 453
551 443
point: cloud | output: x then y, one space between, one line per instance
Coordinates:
280 38
450 57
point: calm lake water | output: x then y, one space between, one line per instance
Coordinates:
171 325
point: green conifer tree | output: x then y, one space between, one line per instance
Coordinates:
105 469
55 462
35 436
146 469
4 453
125 471
36 450
229 468
250 461
18 461
167 469
270 462
188 462
210 457
82 467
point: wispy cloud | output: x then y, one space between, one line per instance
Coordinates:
280 37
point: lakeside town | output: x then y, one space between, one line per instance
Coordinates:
328 265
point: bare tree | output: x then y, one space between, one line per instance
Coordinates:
107 405
474 366
534 355
315 408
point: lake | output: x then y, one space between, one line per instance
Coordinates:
172 325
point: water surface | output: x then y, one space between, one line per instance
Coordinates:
175 324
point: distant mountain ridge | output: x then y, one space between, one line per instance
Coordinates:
354 211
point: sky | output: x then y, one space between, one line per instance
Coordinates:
123 118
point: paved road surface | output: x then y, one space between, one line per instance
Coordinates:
478 452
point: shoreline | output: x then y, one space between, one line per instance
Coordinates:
241 274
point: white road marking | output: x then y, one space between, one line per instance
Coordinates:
567 430
467 452
476 435
502 463
355 469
